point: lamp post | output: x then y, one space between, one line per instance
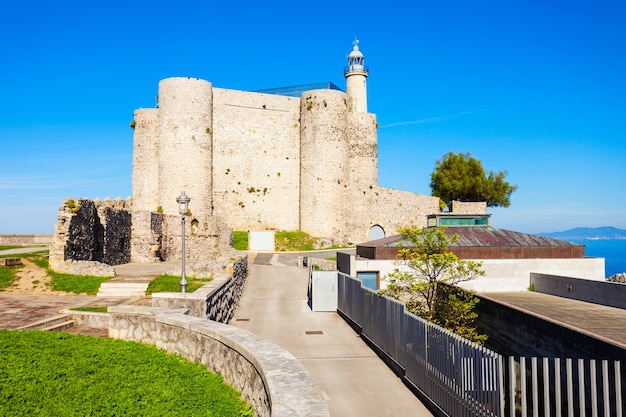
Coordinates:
183 207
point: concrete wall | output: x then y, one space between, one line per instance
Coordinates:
612 294
515 332
506 274
262 240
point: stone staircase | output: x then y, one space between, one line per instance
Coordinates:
119 288
59 322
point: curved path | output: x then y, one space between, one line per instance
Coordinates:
355 381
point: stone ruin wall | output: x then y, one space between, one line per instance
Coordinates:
91 234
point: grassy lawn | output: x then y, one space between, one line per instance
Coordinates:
58 374
240 240
9 247
91 309
171 283
79 284
7 276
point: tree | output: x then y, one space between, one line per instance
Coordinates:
424 276
461 177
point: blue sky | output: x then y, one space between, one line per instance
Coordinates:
535 88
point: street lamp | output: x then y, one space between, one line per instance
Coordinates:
183 208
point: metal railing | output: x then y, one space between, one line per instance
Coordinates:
571 387
458 376
461 378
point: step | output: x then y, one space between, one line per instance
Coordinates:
122 289
59 327
45 322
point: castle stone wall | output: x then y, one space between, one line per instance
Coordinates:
461 207
363 148
261 161
256 159
324 167
386 207
145 180
185 151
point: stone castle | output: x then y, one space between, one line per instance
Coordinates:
270 161
261 160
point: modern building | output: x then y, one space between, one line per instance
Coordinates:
507 257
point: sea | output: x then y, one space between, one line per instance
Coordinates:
612 250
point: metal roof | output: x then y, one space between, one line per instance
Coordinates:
481 237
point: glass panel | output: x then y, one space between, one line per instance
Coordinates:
368 279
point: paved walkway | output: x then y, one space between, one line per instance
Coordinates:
355 381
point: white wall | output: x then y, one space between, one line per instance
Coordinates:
507 275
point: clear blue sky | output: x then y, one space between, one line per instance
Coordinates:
536 88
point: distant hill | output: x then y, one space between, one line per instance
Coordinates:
579 233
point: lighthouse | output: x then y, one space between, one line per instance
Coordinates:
356 74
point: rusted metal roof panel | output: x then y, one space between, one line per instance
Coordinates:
484 243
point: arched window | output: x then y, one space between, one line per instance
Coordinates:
376 232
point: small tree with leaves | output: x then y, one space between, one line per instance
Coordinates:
424 276
461 177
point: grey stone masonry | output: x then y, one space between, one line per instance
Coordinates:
215 301
272 380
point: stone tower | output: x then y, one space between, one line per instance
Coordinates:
356 74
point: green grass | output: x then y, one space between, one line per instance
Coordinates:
58 374
298 241
7 277
171 283
240 240
91 309
79 284
38 258
10 247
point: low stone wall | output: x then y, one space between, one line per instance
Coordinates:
216 301
272 380
10 261
9 240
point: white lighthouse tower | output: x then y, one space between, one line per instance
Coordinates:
356 74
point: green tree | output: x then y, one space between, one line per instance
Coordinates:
424 278
461 177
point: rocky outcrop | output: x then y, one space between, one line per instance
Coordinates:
621 278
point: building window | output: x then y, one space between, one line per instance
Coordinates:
369 279
376 232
